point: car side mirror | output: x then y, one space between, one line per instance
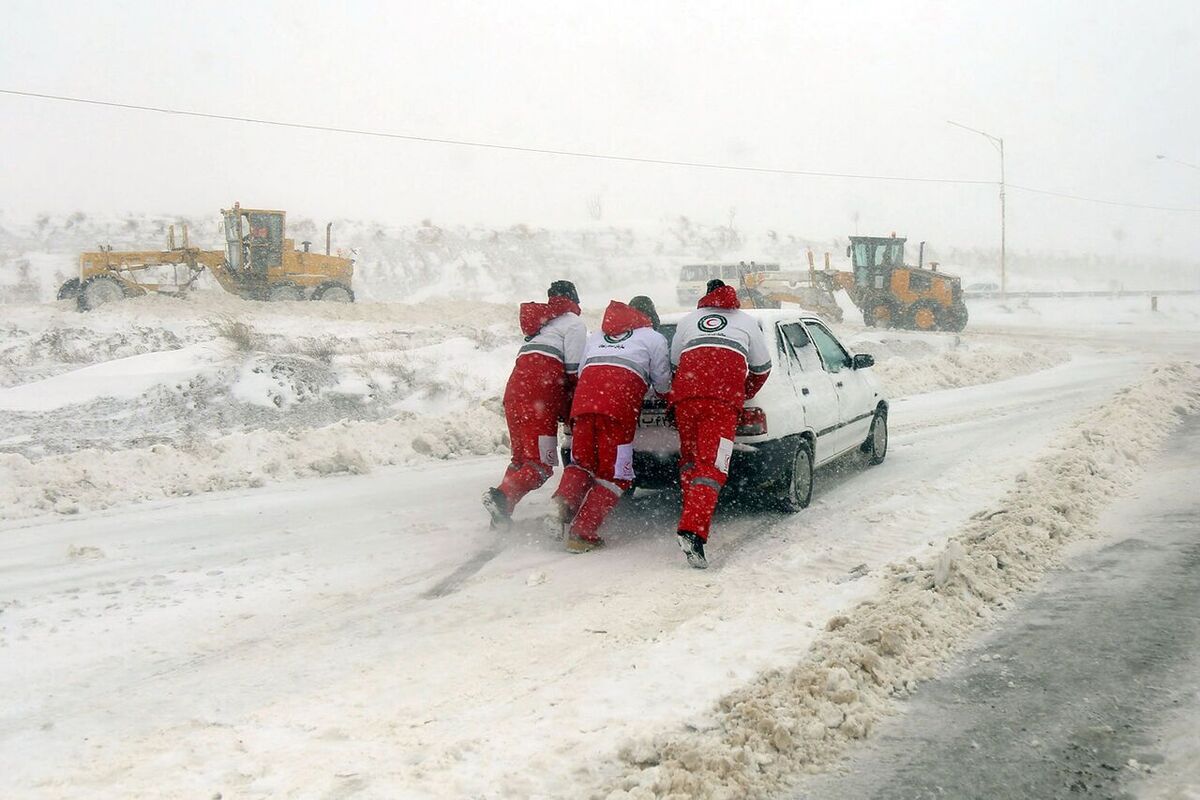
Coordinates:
863 360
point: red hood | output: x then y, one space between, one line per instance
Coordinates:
619 318
534 316
720 297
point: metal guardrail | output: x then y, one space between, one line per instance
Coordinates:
1109 293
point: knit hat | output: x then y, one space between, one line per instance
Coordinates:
563 289
646 306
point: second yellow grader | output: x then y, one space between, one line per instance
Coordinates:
258 263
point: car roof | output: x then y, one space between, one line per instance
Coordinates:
765 316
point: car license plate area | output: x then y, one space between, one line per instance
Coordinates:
654 418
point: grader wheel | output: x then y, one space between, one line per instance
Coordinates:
954 318
69 290
879 314
98 290
333 292
284 292
924 318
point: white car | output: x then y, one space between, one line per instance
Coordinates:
819 403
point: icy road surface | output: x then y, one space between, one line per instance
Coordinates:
370 634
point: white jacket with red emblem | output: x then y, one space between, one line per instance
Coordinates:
619 363
719 352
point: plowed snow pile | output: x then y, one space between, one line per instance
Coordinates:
914 363
789 721
157 397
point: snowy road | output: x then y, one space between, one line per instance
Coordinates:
1090 690
370 635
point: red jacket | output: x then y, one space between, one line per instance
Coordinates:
619 364
547 363
720 352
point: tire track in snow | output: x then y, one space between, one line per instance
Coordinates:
454 581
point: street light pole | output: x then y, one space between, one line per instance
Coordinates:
998 143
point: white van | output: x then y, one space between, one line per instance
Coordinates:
694 277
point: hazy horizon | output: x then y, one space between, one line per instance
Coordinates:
1084 94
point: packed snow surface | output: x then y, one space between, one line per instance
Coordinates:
305 599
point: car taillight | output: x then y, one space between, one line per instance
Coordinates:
752 422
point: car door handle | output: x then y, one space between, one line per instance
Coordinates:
804 390
838 384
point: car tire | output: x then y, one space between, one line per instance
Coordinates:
876 444
796 491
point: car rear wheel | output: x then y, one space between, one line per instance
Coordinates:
876 444
798 483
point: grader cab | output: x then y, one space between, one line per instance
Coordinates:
260 263
257 263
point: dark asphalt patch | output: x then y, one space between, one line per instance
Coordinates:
1075 686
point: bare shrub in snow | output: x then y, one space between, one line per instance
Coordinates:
241 335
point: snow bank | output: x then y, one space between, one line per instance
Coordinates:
206 417
97 479
122 378
786 722
915 363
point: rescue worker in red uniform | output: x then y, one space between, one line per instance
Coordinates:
538 395
721 359
619 364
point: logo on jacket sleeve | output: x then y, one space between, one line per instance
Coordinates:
620 337
711 323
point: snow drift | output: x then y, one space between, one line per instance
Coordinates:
786 722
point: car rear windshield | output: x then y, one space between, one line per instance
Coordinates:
667 330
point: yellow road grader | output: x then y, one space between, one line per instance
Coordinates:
893 294
258 263
889 292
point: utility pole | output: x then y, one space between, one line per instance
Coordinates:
998 143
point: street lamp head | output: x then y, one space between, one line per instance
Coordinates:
1160 157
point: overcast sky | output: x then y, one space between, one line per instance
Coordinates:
1084 93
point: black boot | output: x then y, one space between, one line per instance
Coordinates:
693 547
497 505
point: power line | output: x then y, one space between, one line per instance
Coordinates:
573 153
1102 202
492 145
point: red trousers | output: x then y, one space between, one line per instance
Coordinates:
601 470
706 431
533 435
